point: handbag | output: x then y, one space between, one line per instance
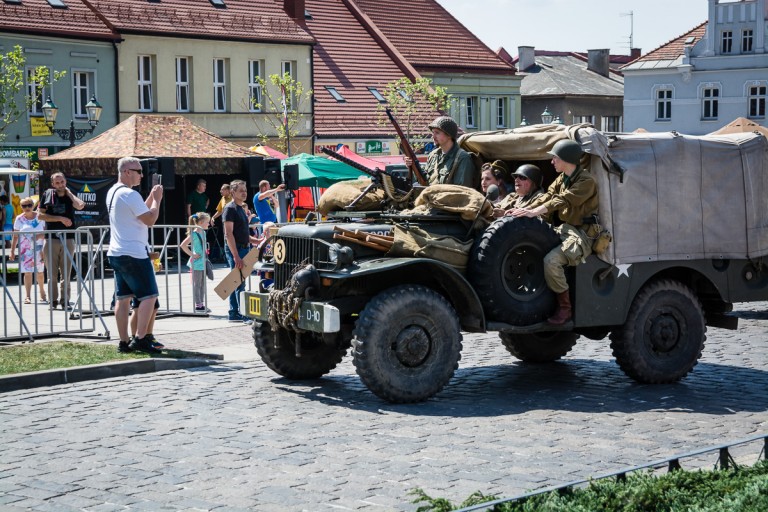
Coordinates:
208 264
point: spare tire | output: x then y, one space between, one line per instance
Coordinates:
506 269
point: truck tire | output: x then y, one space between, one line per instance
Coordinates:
663 336
317 359
407 344
506 268
540 347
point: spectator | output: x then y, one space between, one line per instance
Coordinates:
57 209
226 197
237 240
30 248
196 238
262 201
197 201
6 217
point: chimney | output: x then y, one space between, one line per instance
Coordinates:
598 61
526 57
295 10
635 53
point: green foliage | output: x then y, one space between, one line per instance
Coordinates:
405 99
270 121
15 100
741 489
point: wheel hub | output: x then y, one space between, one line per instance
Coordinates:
412 346
665 332
520 271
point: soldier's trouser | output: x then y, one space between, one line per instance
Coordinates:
59 266
574 249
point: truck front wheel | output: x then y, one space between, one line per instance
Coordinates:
317 357
407 344
663 336
540 347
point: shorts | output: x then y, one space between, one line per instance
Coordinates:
133 278
135 303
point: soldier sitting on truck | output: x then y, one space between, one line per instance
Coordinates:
448 163
570 204
528 179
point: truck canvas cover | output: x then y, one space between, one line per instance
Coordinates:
663 196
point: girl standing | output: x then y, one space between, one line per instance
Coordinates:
30 248
196 238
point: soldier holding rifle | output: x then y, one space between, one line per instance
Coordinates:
448 163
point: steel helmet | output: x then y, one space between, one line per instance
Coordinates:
447 125
567 151
531 172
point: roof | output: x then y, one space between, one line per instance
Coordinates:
245 20
566 74
144 136
670 53
429 27
742 125
39 17
349 59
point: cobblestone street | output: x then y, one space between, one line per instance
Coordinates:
239 437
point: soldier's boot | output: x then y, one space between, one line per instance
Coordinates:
563 313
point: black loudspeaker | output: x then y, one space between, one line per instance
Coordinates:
166 166
272 171
291 176
148 169
254 169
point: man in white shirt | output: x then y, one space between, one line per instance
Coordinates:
129 221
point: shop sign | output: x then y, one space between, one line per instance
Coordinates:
372 146
38 127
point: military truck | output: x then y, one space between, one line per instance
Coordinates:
689 220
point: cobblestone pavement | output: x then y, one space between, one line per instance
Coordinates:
238 437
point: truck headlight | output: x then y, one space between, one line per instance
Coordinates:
340 255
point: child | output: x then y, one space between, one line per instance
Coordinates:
199 223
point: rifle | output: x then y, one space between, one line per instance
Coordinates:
415 167
401 185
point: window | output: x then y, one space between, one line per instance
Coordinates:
471 111
584 119
501 112
219 85
182 84
82 90
664 104
219 3
757 96
726 41
746 41
254 85
34 90
289 67
336 94
59 4
145 83
611 123
377 95
709 103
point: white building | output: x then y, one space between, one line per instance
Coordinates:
705 78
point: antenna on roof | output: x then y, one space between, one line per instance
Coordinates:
631 15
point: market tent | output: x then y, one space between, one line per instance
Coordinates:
316 171
741 125
348 153
267 151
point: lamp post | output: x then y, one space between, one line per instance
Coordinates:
50 111
546 116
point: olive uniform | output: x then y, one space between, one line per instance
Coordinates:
453 168
515 201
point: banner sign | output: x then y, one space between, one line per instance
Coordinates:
93 192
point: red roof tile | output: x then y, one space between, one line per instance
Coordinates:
417 37
676 47
247 20
348 58
38 17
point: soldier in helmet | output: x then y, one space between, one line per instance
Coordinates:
528 179
448 163
569 204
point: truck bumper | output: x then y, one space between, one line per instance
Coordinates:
312 316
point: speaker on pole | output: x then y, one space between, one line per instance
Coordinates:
148 169
167 167
291 176
253 166
272 172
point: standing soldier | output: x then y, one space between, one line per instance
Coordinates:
448 163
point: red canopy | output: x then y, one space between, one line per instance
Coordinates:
371 164
268 151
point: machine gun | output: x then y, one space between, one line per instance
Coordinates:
397 189
415 167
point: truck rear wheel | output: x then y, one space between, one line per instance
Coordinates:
407 344
317 357
506 268
540 347
663 336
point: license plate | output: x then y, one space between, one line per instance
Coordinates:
256 306
312 316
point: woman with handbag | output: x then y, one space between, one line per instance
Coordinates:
194 245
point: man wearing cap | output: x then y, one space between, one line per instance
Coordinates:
569 204
448 163
528 179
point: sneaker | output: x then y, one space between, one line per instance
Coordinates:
237 317
124 347
144 345
54 304
153 341
202 309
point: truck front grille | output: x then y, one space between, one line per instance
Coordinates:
298 252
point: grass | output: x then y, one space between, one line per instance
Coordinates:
743 489
35 357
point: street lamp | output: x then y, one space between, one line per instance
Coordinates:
546 116
50 111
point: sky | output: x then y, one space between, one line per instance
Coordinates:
577 25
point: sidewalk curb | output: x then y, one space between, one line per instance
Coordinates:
31 380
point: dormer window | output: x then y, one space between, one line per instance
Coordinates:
17 2
59 4
405 96
377 95
336 95
219 3
307 14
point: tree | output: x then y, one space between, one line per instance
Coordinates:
407 101
279 109
14 103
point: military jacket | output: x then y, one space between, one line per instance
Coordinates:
570 203
440 165
516 201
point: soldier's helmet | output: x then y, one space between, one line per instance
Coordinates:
567 151
531 172
447 125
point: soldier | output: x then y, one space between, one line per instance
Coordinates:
570 204
448 163
528 179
